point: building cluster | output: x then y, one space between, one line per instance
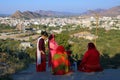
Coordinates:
90 22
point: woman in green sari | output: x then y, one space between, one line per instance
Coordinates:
60 62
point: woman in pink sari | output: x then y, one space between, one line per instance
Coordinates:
52 45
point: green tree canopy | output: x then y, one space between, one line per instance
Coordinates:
62 39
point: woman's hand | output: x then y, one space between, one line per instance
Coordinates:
42 52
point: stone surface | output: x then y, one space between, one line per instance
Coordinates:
31 74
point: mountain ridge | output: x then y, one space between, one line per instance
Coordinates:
111 12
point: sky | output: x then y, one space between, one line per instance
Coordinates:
74 6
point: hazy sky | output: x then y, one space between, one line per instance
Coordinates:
10 6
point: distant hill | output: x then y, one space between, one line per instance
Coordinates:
41 13
111 12
26 15
114 11
55 13
89 12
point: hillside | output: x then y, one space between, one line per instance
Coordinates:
111 12
54 13
26 15
40 13
114 11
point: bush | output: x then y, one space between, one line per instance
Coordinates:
62 39
14 58
6 77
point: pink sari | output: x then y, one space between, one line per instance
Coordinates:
52 45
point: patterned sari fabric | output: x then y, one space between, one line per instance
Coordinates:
60 62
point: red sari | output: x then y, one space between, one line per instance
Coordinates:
91 60
60 62
41 62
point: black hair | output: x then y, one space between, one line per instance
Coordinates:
44 33
91 46
51 36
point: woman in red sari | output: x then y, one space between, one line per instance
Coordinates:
41 56
91 60
60 61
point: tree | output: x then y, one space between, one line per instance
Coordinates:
62 39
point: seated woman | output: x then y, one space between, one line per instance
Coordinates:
60 62
91 60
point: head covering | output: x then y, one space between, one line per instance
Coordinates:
60 49
91 46
52 37
52 45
